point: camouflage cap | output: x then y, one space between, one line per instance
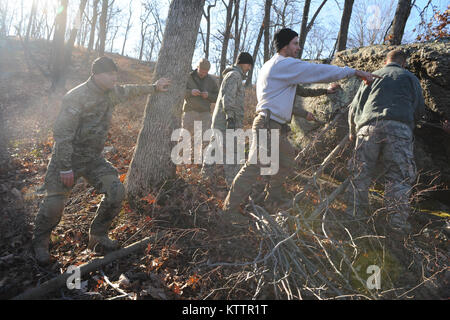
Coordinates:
102 65
204 64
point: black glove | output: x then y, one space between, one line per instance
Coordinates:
231 124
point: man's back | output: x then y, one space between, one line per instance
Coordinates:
397 96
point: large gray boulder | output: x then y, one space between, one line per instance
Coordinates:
430 62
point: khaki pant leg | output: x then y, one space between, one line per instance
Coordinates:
241 186
248 173
276 191
187 121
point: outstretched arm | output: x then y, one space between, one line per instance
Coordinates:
122 93
315 92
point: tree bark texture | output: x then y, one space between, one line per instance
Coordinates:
127 29
31 20
345 23
151 163
237 36
398 26
303 32
102 32
306 27
74 32
226 36
58 46
267 8
93 25
248 82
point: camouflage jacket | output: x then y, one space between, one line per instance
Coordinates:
230 102
81 128
197 103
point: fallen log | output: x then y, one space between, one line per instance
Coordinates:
91 266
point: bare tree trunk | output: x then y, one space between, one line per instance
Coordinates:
306 27
207 16
303 32
400 18
345 22
144 27
113 38
248 82
102 33
93 26
237 38
3 20
74 32
30 21
226 35
129 24
151 163
267 8
58 47
19 26
141 51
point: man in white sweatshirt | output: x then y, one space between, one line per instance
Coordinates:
276 89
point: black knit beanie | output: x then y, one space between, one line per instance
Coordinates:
102 65
244 58
283 37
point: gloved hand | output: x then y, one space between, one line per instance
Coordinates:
231 124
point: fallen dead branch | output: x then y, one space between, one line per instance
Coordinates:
91 266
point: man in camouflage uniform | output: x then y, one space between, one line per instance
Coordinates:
229 114
201 91
383 117
80 132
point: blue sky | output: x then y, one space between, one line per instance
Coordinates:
330 15
328 19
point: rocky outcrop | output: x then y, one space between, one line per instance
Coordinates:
430 62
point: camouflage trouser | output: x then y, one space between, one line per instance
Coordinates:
229 169
102 176
390 142
187 123
248 174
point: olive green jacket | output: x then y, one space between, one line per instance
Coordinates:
396 96
197 103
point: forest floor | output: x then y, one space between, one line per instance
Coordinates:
195 256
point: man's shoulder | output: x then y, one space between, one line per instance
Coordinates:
212 79
394 69
77 93
231 75
82 95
